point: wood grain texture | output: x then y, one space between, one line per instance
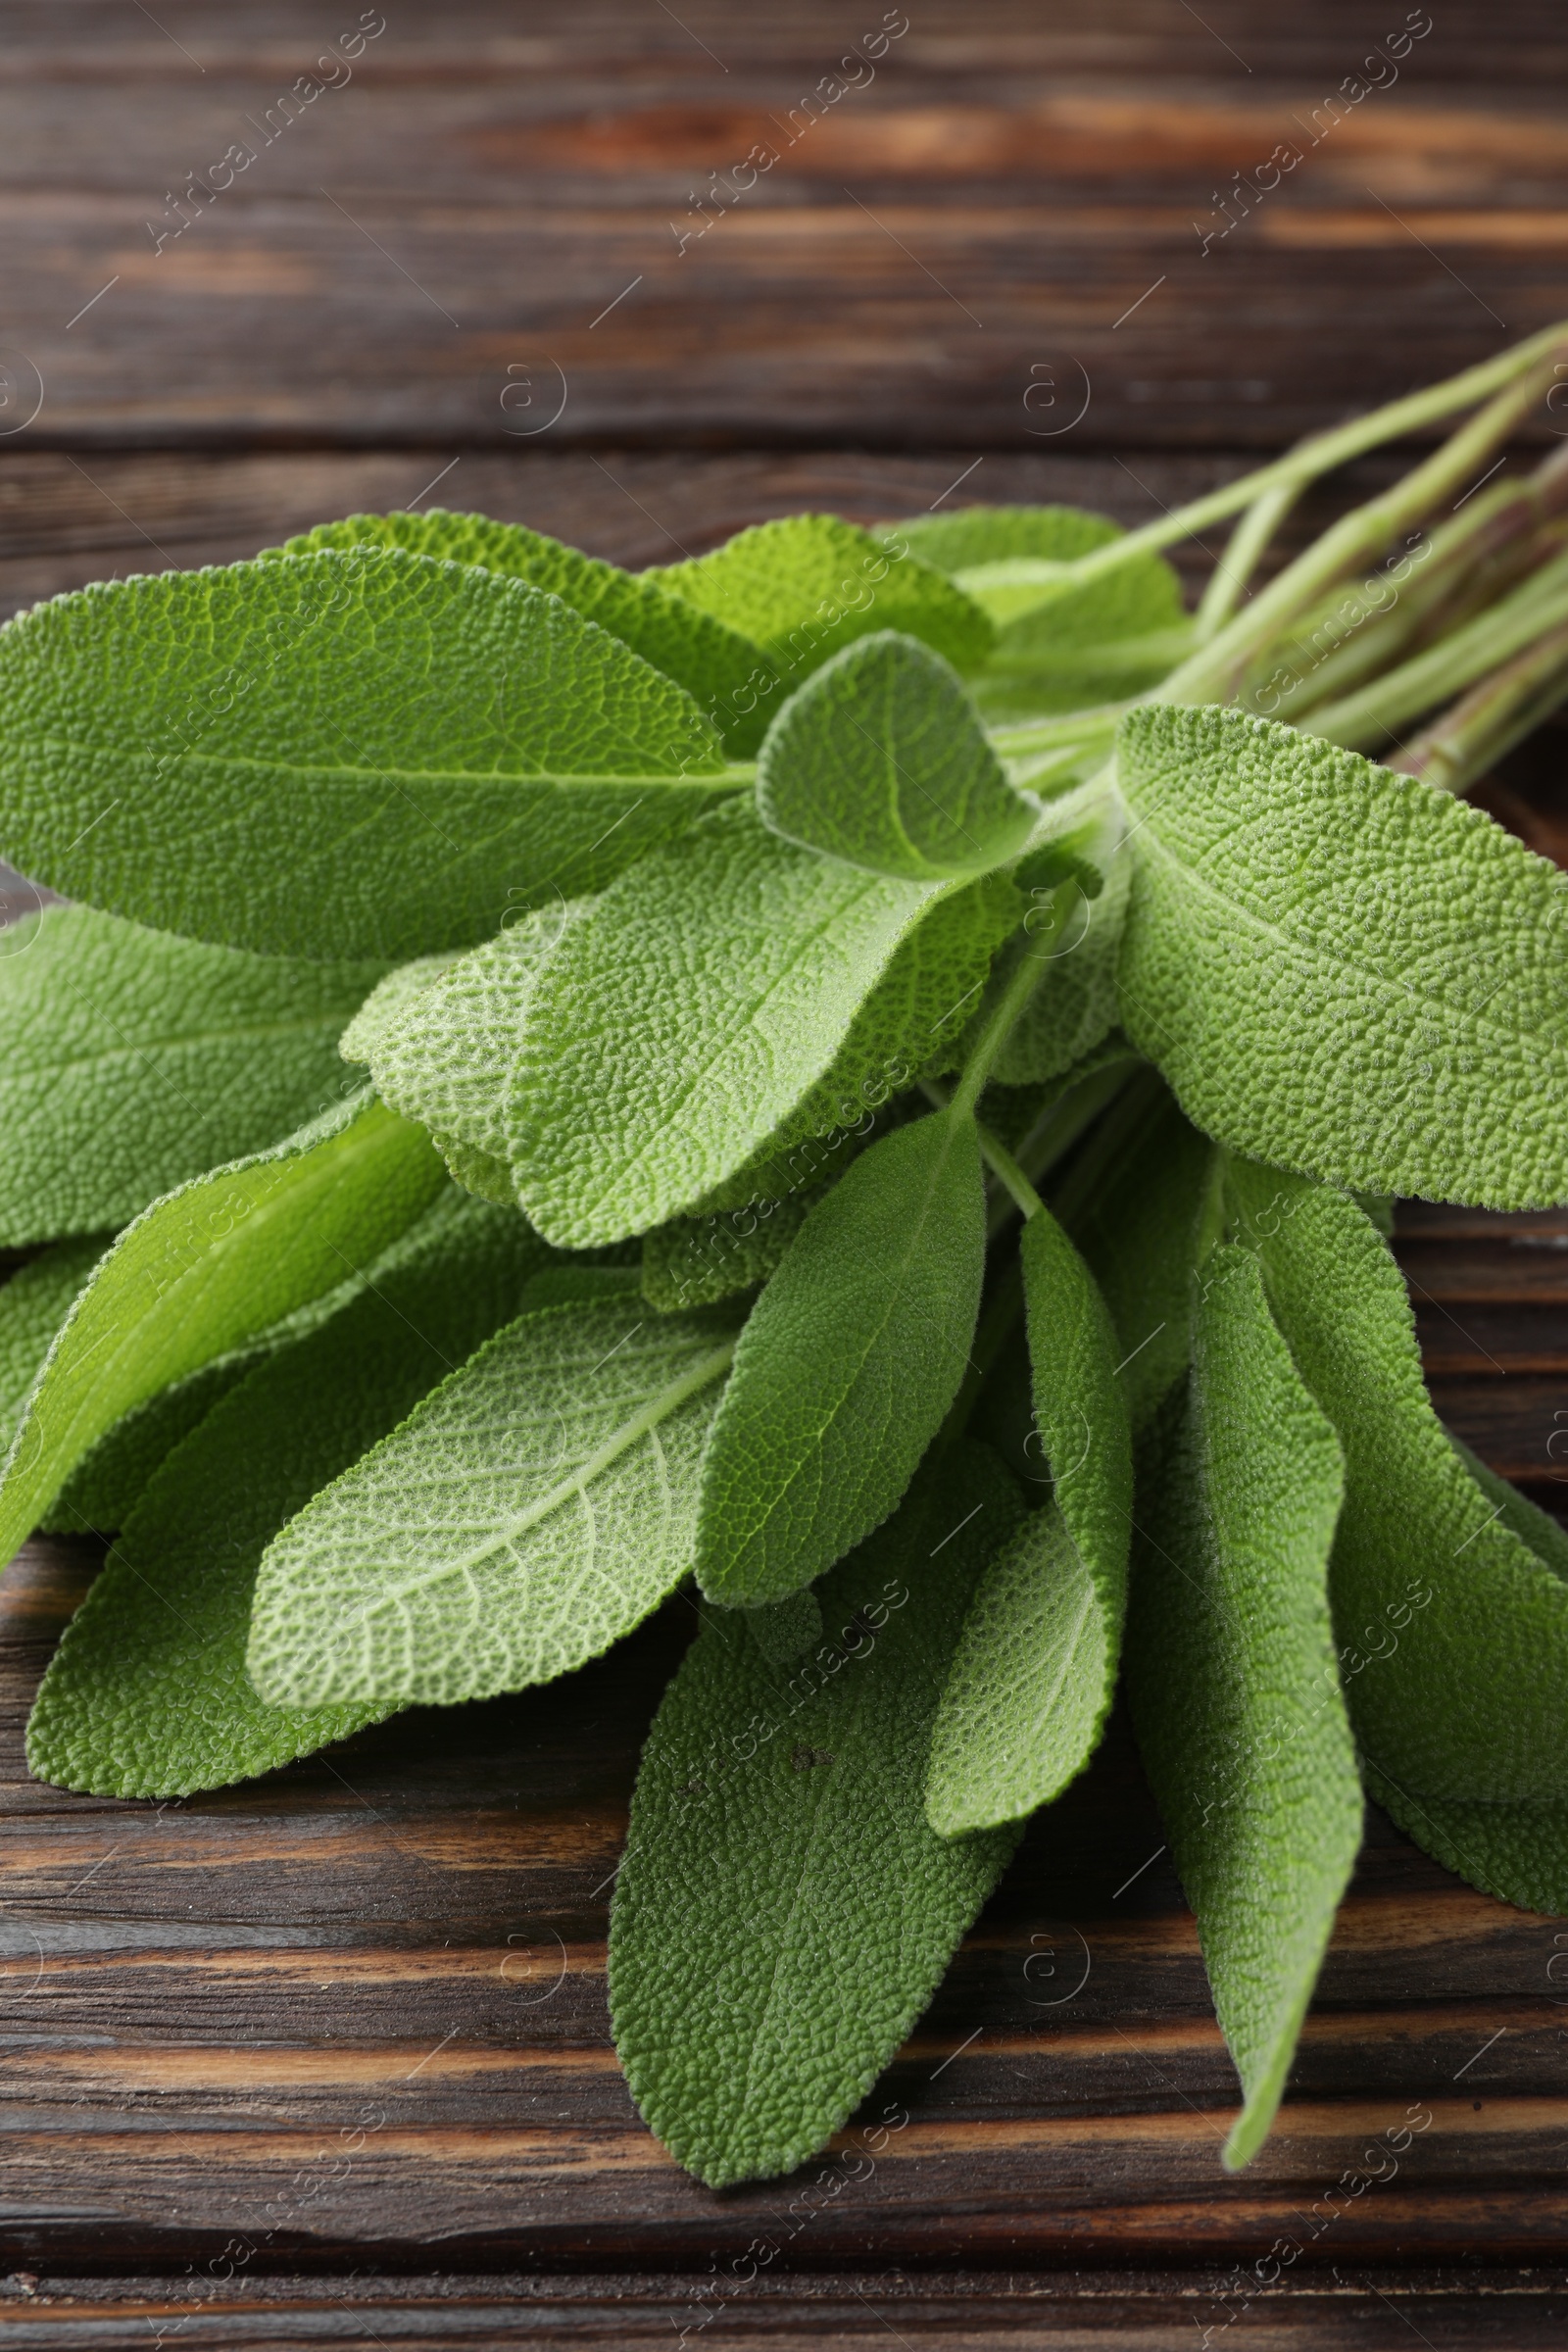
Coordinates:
1011 213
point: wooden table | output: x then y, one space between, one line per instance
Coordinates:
325 2057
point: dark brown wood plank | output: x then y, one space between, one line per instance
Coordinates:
1008 213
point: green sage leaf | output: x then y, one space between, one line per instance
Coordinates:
135 1061
33 1303
803 587
443 1053
879 760
147 1694
1036 1667
1235 1690
204 1269
1516 1852
530 1512
722 1003
847 1367
713 664
784 1911
698 1261
1342 970
360 752
1454 1623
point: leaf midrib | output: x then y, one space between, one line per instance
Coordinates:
1312 950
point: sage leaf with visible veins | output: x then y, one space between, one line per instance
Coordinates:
880 759
147 1694
1233 1681
1459 1623
204 1269
714 663
784 1911
683 1025
531 1512
443 1055
1036 1667
847 1367
135 1061
1343 970
805 586
359 751
33 1303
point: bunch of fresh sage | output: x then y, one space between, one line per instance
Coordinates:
861 1073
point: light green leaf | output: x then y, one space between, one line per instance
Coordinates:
33 1303
1517 1852
687 1025
1342 970
803 587
388 1001
1036 1667
784 1911
879 759
847 1367
204 1269
696 1261
528 1514
713 664
1454 1623
1148 1223
969 536
1060 645
135 1061
147 1694
1235 1691
444 1054
353 752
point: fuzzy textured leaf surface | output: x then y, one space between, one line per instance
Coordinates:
879 759
388 1001
784 1911
360 752
136 1060
803 587
204 1269
532 1511
1455 1624
685 1023
698 1261
1036 1668
1235 1688
1343 970
1143 1229
147 1694
710 661
444 1055
33 1303
847 1367
1517 1852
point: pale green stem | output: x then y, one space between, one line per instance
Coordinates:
1368 625
1242 557
1214 672
1460 746
1364 721
1000 1161
1325 451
